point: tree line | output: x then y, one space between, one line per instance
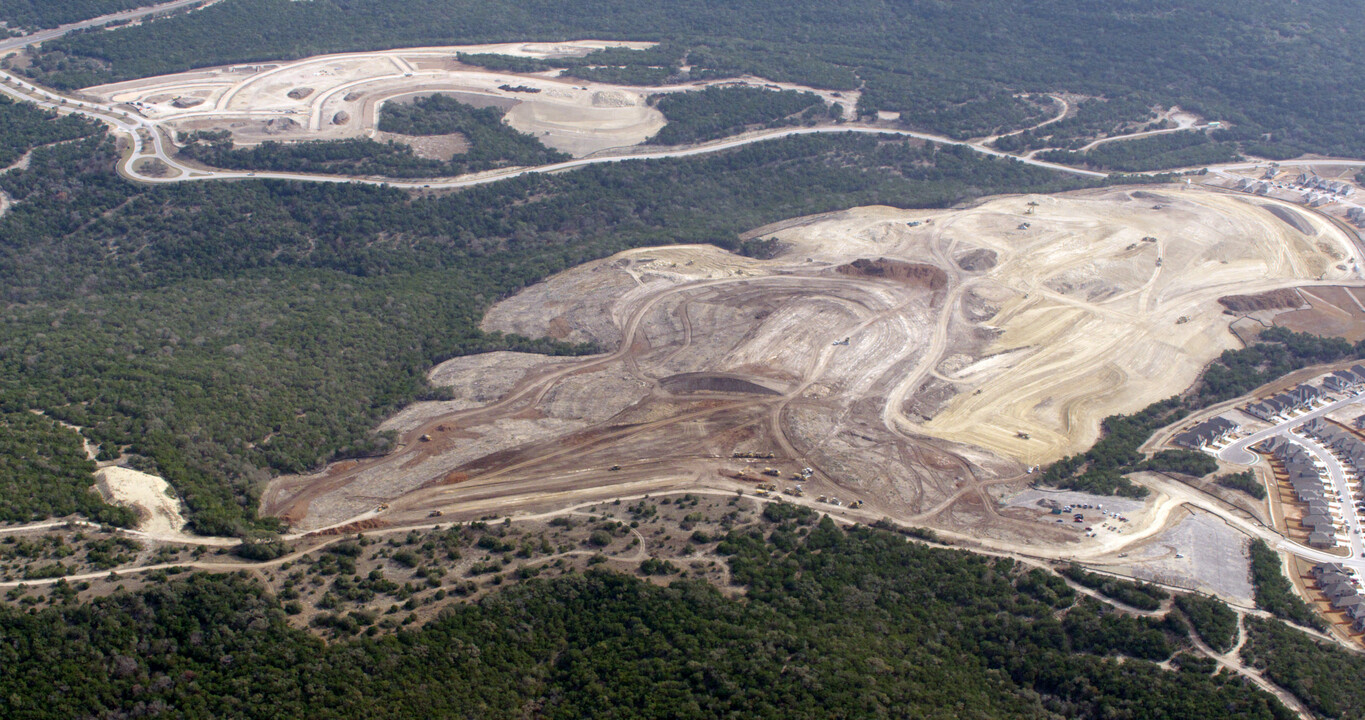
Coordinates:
833 623
964 69
1101 469
222 333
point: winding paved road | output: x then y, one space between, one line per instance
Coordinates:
1240 454
148 141
42 36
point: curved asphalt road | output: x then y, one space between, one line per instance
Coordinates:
1239 453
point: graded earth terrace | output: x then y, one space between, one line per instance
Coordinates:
904 360
334 97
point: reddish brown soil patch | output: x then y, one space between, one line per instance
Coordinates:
1287 298
912 273
1334 311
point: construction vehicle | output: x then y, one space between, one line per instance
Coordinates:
614 468
771 472
425 438
435 513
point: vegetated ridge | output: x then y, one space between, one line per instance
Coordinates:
1277 74
832 621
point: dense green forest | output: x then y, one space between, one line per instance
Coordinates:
1323 675
1215 622
720 111
24 126
51 13
1092 118
224 332
1281 76
1245 481
1274 593
1101 469
492 144
46 472
835 623
1140 595
1154 152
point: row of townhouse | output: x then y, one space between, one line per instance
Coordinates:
1313 182
1356 215
1307 483
1343 443
1207 433
1339 588
1271 408
1251 186
1345 380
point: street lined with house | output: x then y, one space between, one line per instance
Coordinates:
1322 462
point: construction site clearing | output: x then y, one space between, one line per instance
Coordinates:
918 364
334 97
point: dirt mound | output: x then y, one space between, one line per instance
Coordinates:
912 273
277 126
353 96
977 260
611 99
299 93
706 382
341 118
1287 298
1291 218
187 102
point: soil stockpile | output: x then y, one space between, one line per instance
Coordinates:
913 273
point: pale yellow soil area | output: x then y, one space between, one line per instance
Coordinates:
899 355
1085 322
148 495
346 92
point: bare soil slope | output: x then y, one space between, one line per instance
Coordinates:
866 361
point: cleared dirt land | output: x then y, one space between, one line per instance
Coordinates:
333 97
902 356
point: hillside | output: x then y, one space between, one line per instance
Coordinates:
1281 75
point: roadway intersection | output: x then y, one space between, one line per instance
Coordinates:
1239 453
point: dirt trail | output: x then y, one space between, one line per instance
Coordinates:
1232 662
